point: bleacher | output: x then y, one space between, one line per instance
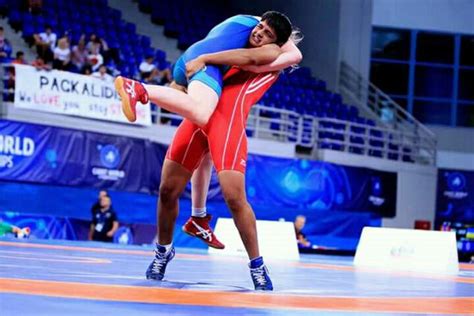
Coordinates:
298 108
88 17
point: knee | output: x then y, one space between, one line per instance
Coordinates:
168 193
234 200
202 114
203 117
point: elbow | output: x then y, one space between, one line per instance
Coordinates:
252 61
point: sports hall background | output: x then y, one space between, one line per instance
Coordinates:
317 146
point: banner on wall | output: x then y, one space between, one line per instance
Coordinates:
455 196
57 156
315 185
71 94
50 155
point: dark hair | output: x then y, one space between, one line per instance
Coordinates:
48 26
280 23
19 54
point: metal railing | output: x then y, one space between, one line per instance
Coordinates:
318 133
384 109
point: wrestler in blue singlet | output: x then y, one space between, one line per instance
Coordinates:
233 33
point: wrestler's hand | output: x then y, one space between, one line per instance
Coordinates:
194 66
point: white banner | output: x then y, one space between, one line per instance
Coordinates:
71 94
395 249
276 240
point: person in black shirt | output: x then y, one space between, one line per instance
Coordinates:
104 222
96 207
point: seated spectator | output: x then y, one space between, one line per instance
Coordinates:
103 75
104 223
300 221
146 67
79 54
20 59
93 40
87 70
150 74
40 64
62 55
5 47
95 59
45 43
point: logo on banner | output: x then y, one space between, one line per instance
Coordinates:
109 156
14 146
110 159
456 183
375 197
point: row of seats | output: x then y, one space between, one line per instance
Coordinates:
88 17
183 19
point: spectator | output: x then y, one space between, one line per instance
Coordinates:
79 54
40 64
45 43
104 223
5 47
96 206
93 39
300 221
95 59
151 74
87 70
146 68
20 59
103 75
107 53
62 55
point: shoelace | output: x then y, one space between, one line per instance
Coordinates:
130 88
158 262
206 234
258 274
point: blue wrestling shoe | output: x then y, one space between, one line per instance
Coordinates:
156 269
260 275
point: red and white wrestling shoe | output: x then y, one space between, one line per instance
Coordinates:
199 227
130 92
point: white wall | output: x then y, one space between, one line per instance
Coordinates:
458 139
455 160
437 15
416 186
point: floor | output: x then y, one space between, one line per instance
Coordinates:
88 278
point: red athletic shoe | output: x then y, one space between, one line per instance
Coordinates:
199 227
130 92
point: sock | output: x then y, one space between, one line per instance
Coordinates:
199 211
256 262
167 247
